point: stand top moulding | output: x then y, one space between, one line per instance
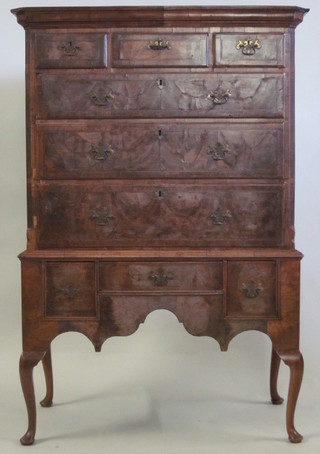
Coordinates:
92 17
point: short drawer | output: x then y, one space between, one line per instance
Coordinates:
70 50
160 276
249 50
169 50
252 289
81 96
123 150
70 289
98 214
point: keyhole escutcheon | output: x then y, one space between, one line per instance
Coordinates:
160 84
160 194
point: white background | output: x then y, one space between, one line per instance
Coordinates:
161 390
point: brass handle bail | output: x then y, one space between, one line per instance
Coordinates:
69 48
219 96
160 278
159 44
248 46
251 289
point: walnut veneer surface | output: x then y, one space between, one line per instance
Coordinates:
160 165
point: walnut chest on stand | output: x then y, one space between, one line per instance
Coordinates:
160 174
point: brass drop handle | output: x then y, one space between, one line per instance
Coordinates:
219 152
219 96
251 289
248 46
70 291
160 278
69 48
220 217
100 154
101 217
102 99
159 44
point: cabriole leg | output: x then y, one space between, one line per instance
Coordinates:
294 361
27 363
47 368
274 372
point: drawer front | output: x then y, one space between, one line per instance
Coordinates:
160 276
70 50
98 215
246 50
124 313
70 289
114 96
252 289
179 150
171 50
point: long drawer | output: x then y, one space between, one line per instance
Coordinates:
144 95
179 149
105 215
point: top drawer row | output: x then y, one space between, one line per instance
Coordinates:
128 50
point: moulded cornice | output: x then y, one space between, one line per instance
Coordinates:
92 17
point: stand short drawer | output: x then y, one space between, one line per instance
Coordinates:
252 289
169 50
70 50
160 276
249 50
70 289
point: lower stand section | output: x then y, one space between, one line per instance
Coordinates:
215 293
